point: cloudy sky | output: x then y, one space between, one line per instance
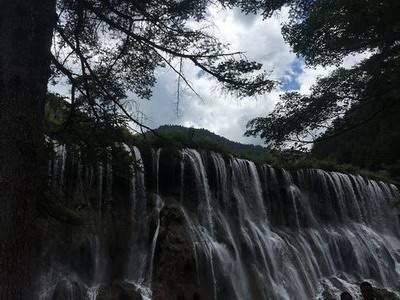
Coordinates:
220 112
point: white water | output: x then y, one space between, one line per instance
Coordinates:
324 226
259 232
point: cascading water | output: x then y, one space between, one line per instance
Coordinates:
73 185
286 235
143 241
256 232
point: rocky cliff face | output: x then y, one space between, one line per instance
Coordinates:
188 225
175 270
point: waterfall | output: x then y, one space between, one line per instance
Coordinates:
136 267
57 165
204 206
92 293
76 187
143 241
156 167
300 229
256 232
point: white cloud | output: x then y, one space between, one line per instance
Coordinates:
221 113
224 114
310 75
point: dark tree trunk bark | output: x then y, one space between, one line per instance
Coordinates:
26 28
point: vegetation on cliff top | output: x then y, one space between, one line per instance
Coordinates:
96 138
324 33
351 115
181 137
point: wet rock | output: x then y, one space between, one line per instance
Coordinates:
346 296
385 294
67 290
369 292
119 291
125 291
328 295
104 293
174 275
169 172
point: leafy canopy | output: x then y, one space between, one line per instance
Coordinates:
109 49
323 32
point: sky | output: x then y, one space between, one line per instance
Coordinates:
220 112
215 110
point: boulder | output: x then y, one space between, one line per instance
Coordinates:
346 296
175 274
369 292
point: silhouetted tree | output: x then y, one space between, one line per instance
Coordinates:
323 32
105 49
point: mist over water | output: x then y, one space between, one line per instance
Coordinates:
256 232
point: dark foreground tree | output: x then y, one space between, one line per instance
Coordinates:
323 32
25 39
105 50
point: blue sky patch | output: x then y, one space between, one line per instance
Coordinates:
200 73
289 82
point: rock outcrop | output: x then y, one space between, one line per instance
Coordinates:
174 275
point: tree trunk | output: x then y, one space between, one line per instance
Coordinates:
26 28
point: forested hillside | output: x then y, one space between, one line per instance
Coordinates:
344 153
203 138
374 145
